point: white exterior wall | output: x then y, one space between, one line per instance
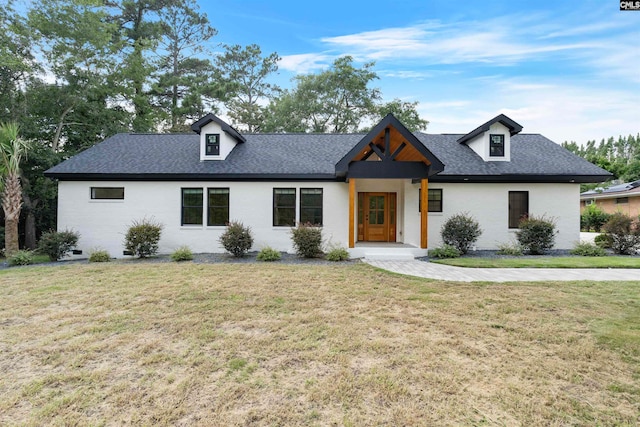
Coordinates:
489 205
103 223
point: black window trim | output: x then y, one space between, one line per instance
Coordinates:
509 208
209 206
273 202
321 205
502 144
182 206
429 204
93 196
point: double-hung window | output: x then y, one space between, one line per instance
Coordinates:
192 206
284 207
218 206
496 145
311 206
434 198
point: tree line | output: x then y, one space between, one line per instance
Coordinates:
619 156
74 72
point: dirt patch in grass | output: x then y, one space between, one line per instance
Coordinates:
184 344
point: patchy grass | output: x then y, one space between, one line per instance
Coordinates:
545 262
167 344
37 259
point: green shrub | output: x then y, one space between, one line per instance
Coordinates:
536 235
307 240
237 239
624 232
593 218
183 253
337 254
22 257
603 240
99 255
143 237
445 251
57 244
269 254
512 249
461 231
588 249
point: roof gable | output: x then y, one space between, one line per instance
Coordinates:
513 127
390 141
228 129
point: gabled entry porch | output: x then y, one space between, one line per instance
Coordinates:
384 172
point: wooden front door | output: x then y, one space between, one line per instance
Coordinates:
377 217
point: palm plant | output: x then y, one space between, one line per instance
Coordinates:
12 150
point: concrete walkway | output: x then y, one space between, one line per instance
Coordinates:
461 274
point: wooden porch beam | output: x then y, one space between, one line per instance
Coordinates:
352 212
387 143
424 213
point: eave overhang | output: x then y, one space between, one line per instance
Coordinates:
521 178
190 177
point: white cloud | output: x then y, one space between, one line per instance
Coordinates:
305 63
569 77
460 42
559 111
406 74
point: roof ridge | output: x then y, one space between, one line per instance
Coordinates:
305 133
157 134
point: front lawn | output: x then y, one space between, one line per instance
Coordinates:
257 344
545 262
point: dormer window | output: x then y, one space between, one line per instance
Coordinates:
212 144
496 147
217 138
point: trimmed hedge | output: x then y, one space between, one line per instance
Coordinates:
143 237
536 235
237 239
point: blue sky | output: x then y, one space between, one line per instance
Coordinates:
567 69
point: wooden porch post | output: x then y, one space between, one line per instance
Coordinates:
352 211
424 213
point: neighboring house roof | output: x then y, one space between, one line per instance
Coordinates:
616 190
534 158
513 127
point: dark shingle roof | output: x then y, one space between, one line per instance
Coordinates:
531 154
310 156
